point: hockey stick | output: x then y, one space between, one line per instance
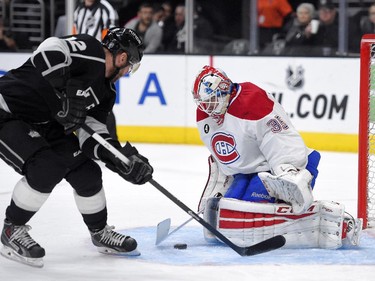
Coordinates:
163 227
270 244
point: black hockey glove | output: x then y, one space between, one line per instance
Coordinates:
73 113
139 172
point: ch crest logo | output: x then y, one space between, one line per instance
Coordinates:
224 147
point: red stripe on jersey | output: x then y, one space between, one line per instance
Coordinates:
251 103
201 115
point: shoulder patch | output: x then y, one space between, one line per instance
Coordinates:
251 103
201 115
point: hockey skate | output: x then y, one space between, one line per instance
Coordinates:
353 230
111 242
19 246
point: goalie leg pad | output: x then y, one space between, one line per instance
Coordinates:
247 223
217 183
210 216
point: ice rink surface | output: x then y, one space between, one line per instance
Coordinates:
136 210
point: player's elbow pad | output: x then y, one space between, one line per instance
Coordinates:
52 61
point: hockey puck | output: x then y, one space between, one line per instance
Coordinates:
180 246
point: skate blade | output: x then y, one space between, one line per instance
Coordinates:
13 255
109 251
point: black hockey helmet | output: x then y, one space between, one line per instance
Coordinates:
124 39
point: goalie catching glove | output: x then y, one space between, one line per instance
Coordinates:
138 172
290 185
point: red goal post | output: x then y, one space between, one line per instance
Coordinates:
366 136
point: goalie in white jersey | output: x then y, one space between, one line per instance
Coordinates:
258 157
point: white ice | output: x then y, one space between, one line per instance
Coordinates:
182 170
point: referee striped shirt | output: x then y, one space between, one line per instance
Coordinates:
95 20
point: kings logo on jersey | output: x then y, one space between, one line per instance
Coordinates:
224 147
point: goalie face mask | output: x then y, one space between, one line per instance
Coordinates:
211 91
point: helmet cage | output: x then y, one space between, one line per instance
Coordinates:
211 91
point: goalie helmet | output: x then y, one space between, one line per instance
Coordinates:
211 91
127 40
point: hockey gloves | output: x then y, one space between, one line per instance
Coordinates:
139 171
290 185
73 113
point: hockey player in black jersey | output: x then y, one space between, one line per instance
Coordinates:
66 82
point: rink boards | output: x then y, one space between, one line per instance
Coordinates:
321 96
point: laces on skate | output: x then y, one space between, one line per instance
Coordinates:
19 246
109 241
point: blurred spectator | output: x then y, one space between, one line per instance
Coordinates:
368 23
327 36
175 33
168 10
158 15
300 36
176 41
359 24
272 16
128 10
7 42
169 25
147 28
163 13
94 17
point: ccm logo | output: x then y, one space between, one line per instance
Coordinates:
288 209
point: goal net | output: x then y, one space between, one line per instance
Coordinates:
366 140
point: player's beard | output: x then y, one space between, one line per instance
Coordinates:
115 75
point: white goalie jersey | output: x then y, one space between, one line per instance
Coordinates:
256 135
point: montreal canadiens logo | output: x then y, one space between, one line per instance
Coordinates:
224 147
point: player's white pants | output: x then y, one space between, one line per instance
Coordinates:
323 225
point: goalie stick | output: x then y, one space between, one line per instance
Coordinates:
270 244
163 227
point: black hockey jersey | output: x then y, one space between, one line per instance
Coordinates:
71 65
